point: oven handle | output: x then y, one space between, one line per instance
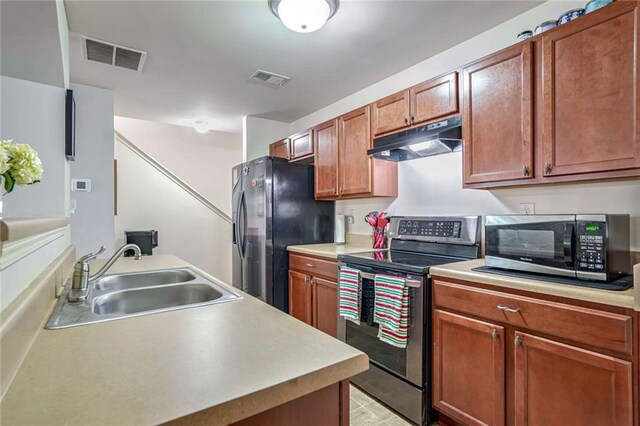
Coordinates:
409 283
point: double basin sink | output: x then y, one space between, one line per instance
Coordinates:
125 295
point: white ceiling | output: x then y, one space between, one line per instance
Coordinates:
201 53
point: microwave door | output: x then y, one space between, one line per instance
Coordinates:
538 246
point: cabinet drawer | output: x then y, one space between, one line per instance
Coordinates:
591 327
313 266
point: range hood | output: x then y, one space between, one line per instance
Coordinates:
431 139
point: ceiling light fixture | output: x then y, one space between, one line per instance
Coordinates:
201 126
304 16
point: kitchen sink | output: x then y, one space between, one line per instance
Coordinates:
151 299
143 279
118 296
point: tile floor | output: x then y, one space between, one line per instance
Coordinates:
366 411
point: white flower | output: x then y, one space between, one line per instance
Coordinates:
4 160
25 166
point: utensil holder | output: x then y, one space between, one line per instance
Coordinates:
379 238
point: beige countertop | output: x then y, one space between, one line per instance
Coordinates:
233 359
329 250
463 271
636 285
15 228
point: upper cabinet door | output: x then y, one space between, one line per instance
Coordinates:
434 98
590 93
280 149
497 117
301 145
354 140
326 159
391 113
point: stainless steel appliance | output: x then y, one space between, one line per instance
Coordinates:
583 246
400 377
273 207
437 138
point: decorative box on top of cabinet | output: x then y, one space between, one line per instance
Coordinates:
573 95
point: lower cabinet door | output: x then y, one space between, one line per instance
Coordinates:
326 306
558 384
301 297
468 369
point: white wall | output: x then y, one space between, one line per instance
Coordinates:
186 228
34 113
433 186
92 223
204 161
258 133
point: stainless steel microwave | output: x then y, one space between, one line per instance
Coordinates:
585 246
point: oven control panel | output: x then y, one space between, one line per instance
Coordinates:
430 228
591 246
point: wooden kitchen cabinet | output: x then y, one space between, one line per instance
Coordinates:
343 169
280 149
505 356
313 292
391 113
561 384
424 102
300 297
434 98
497 120
590 93
325 306
468 355
326 159
301 145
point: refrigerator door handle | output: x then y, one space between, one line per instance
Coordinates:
236 226
240 237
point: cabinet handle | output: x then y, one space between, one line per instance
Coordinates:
310 265
547 168
495 335
340 191
518 342
333 190
306 279
313 280
504 308
525 170
406 121
411 119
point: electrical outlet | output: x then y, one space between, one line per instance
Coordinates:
527 208
350 220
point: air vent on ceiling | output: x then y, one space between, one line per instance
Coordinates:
269 78
112 54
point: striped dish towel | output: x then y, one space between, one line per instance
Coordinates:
400 337
387 306
350 294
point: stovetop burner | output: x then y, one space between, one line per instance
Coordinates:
436 241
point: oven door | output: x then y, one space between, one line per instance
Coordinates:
407 363
541 244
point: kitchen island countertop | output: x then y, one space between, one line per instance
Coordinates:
464 271
233 359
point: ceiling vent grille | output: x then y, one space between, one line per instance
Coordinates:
112 54
269 78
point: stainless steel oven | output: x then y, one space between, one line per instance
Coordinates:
592 247
392 369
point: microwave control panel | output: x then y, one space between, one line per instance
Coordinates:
430 228
591 237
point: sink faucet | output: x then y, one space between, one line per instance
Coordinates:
82 278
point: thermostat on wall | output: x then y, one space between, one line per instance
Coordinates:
81 185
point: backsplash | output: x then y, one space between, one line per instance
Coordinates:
433 186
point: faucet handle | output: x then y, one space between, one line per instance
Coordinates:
88 257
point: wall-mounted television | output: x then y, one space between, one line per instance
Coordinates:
70 127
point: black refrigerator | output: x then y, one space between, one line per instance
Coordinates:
274 207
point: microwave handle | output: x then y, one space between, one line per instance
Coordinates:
569 247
